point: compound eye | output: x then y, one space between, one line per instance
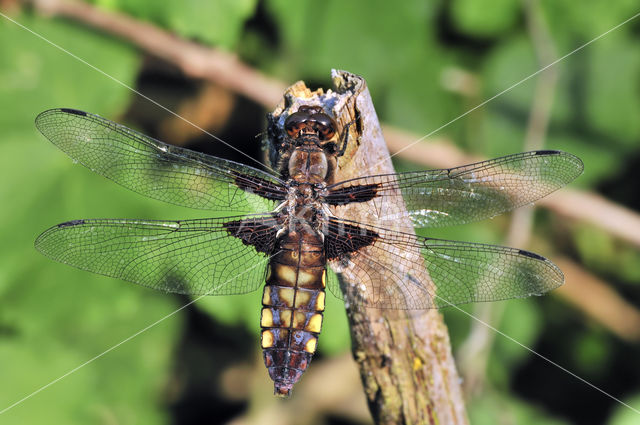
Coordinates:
295 122
325 125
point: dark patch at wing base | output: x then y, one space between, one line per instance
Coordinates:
343 238
260 187
259 233
358 193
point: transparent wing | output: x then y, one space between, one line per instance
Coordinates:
156 169
390 272
198 257
438 198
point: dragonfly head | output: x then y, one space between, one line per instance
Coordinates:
310 121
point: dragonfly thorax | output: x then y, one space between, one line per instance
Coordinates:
308 164
304 206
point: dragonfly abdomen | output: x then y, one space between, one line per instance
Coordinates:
293 301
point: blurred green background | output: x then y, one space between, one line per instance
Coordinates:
425 64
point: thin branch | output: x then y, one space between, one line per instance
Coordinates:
193 59
405 361
210 107
599 301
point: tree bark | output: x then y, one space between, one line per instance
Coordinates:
405 359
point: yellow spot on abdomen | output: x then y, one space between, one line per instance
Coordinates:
266 296
315 323
267 339
310 346
324 278
320 301
266 319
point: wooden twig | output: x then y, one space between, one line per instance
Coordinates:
209 108
406 365
599 301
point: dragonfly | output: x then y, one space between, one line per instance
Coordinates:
286 231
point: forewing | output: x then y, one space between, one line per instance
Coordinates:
403 271
156 169
198 257
446 197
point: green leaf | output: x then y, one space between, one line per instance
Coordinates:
588 20
592 354
63 318
600 251
41 76
485 18
236 308
335 337
622 415
218 23
596 247
610 93
522 321
629 259
214 22
511 62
